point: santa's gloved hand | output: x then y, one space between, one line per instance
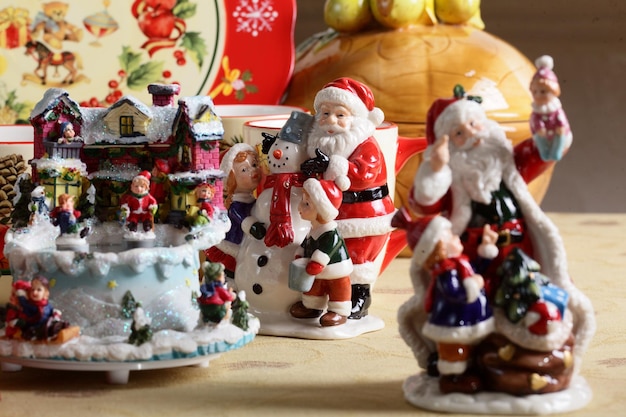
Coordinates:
314 268
316 165
258 230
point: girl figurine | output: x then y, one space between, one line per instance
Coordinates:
458 313
243 174
548 122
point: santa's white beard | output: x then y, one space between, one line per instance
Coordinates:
341 143
479 169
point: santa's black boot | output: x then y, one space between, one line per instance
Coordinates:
361 300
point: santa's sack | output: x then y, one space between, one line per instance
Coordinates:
299 280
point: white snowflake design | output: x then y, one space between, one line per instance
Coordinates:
254 16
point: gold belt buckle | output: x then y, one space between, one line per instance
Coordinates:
506 233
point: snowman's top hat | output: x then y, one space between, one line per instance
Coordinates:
297 127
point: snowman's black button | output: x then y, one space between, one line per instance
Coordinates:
262 261
257 289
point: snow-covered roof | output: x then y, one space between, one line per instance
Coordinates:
58 164
122 172
202 128
197 176
50 99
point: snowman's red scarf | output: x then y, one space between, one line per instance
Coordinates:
280 230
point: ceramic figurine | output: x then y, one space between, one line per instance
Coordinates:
341 147
265 252
215 299
243 173
324 257
204 198
68 135
138 206
66 217
159 185
39 207
36 318
12 328
548 122
474 177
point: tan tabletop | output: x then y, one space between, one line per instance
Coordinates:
356 377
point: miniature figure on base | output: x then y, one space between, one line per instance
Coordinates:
38 207
324 256
215 299
342 148
204 193
137 208
548 122
66 217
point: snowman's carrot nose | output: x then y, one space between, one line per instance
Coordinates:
277 153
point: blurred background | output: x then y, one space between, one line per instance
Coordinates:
588 43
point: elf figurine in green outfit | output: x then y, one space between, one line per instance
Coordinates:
326 256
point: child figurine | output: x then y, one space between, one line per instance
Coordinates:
12 329
216 298
37 319
38 207
68 135
204 197
459 315
243 174
326 257
65 215
548 122
138 206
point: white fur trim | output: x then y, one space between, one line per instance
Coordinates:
343 182
343 97
460 110
366 226
429 238
489 251
518 333
451 368
337 270
229 157
314 301
320 200
430 186
343 308
459 334
337 167
376 116
365 273
320 257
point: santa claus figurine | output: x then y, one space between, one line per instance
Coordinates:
342 148
138 206
472 175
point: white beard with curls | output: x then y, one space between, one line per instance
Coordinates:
479 168
342 142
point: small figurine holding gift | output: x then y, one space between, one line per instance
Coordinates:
548 122
204 200
243 174
325 257
341 147
138 206
37 319
215 299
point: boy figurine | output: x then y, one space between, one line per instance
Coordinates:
65 215
327 255
138 205
215 298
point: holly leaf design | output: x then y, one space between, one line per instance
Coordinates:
147 73
129 60
184 9
195 46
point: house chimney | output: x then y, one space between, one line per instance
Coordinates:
163 94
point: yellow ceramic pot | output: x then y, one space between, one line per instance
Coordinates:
407 69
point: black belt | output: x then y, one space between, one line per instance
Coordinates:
370 194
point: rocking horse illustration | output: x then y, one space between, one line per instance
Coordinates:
46 58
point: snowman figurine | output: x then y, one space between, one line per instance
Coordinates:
274 230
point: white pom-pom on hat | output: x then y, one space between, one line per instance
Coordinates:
544 61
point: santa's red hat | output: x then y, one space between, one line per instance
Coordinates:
354 95
144 175
162 165
21 285
444 111
325 196
422 234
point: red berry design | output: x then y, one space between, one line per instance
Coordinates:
181 61
113 84
167 74
93 102
121 73
179 54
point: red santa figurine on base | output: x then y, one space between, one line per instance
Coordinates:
138 206
342 148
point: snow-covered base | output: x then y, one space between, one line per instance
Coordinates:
284 325
165 345
422 391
